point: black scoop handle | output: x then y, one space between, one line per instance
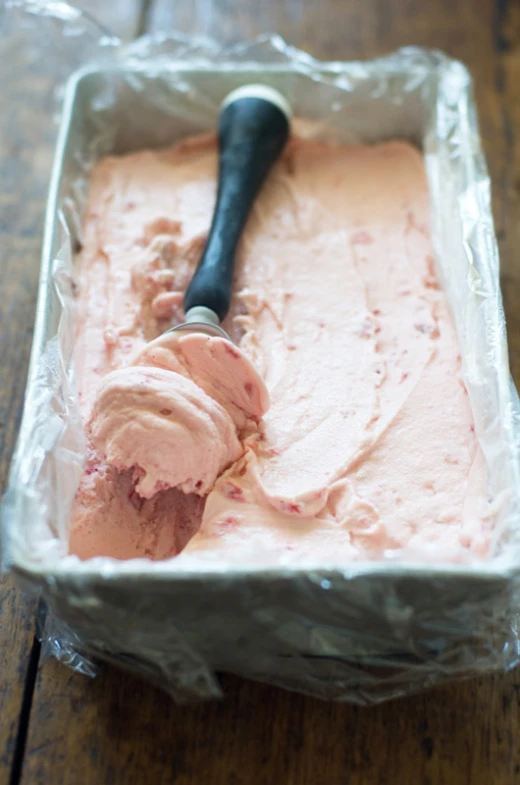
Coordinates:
253 130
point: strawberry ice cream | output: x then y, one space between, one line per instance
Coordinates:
176 413
367 449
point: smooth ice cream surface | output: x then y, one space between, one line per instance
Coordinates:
367 450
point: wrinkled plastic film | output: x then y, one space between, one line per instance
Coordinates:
361 633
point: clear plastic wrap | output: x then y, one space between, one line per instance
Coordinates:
362 632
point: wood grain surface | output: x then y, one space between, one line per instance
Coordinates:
24 176
116 729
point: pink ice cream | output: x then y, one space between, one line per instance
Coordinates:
367 450
176 414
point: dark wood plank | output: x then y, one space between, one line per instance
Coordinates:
507 191
23 186
16 639
129 733
464 734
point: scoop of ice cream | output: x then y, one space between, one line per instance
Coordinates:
176 414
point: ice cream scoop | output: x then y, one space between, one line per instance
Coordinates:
253 130
178 414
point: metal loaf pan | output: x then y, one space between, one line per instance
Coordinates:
362 632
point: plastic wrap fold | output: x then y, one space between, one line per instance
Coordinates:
361 632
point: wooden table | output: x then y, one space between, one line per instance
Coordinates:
60 727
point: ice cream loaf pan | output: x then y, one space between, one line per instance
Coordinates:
362 633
